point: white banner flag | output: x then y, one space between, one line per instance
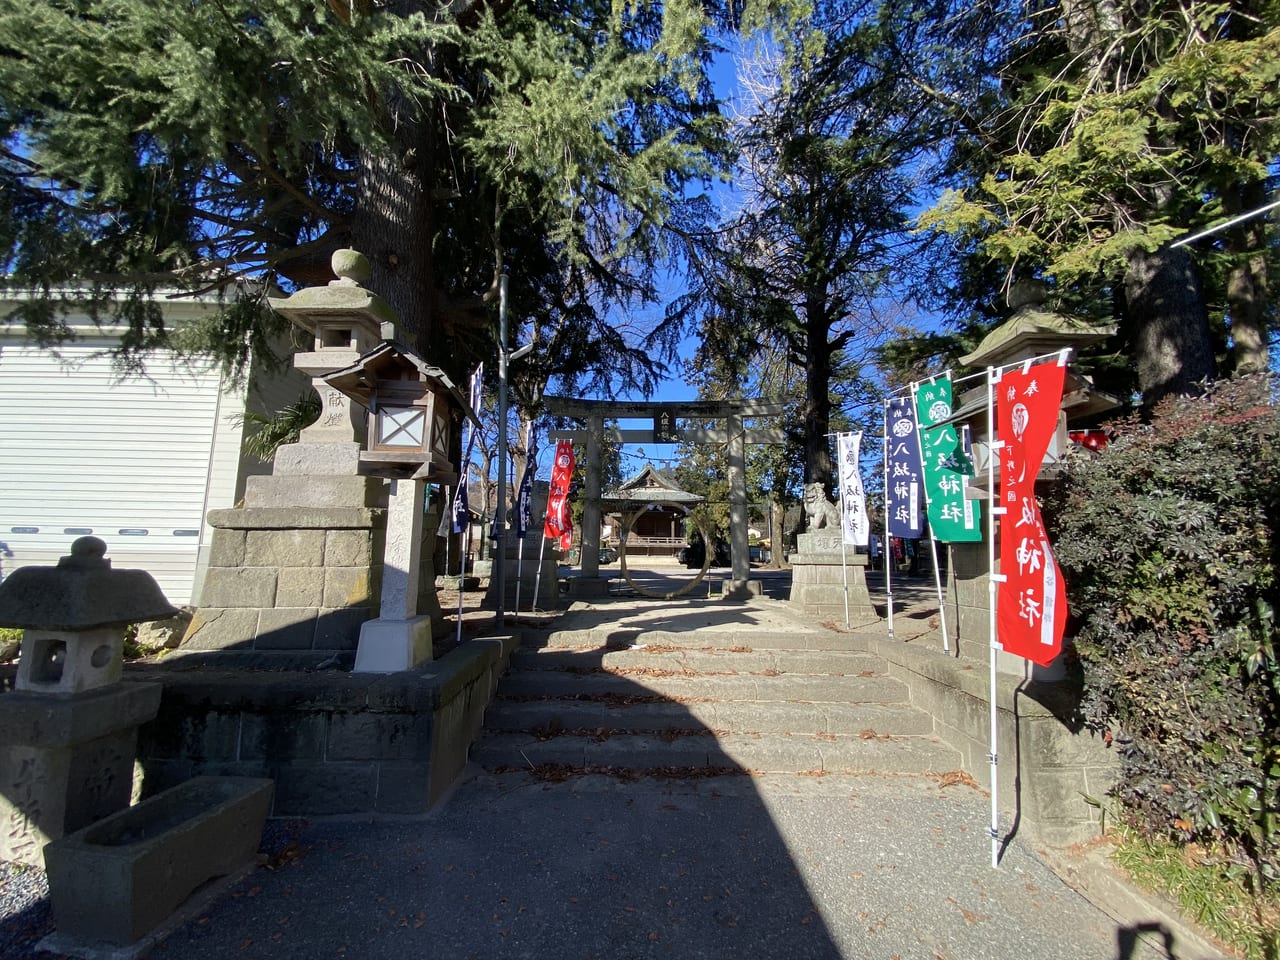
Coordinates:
854 524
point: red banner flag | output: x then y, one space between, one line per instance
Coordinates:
559 525
1031 612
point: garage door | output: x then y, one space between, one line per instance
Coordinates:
82 452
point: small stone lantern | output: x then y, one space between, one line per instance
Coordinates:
345 321
411 406
68 731
73 617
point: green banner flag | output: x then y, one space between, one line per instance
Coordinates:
947 467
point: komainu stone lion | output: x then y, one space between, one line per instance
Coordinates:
818 510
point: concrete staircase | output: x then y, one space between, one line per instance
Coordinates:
704 701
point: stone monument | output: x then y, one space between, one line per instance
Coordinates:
821 566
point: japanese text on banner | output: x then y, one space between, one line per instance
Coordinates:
559 524
953 517
1031 610
854 523
903 490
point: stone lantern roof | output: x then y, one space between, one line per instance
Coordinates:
341 298
81 593
1033 330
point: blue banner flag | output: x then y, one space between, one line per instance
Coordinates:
458 516
904 490
524 497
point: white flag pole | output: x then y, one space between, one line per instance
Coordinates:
542 549
993 580
933 538
519 568
937 586
886 548
462 573
844 566
447 509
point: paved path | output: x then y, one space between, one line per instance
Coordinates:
724 866
728 867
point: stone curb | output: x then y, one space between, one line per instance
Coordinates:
1151 918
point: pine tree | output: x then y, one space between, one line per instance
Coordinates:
1114 130
808 264
207 143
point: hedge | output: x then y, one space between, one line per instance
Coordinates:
1169 547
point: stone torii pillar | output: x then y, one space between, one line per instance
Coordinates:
591 505
738 587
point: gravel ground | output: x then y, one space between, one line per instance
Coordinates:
24 909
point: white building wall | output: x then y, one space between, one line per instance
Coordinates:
138 461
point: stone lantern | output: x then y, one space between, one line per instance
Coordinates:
345 321
411 409
69 728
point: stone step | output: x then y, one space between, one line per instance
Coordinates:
801 638
803 688
545 717
701 661
703 752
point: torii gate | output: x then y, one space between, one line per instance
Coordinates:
664 414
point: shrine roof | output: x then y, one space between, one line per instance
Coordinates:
650 485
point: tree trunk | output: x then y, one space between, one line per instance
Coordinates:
1247 280
777 535
817 397
392 226
1166 314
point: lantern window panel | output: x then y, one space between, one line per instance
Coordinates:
404 427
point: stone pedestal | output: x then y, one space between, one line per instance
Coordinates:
400 638
546 587
818 577
66 761
299 567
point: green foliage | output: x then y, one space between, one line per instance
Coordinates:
283 426
1207 887
802 276
1169 545
1115 130
10 637
195 144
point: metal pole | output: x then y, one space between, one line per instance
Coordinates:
519 570
844 569
886 548
933 539
500 521
462 572
993 580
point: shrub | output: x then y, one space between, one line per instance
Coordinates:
1169 546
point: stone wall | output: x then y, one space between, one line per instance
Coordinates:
1047 765
289 579
334 742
